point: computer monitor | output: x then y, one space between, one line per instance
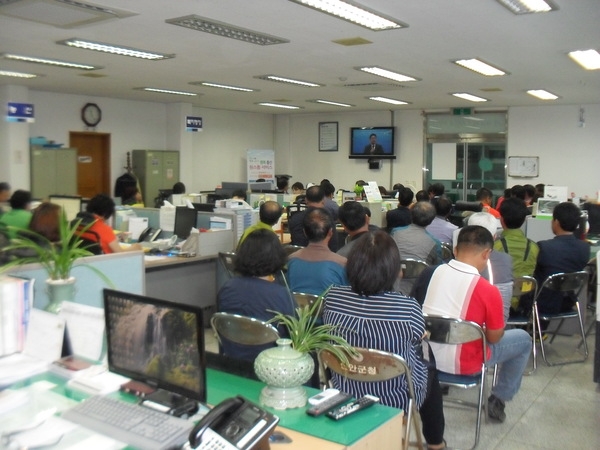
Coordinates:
229 187
156 342
206 207
261 186
70 204
185 220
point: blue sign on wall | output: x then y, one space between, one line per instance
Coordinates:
20 112
193 123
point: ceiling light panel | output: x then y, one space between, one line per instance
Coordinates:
222 86
386 73
483 68
114 49
166 91
354 13
542 94
528 6
588 59
51 62
330 102
278 105
469 97
206 25
279 79
10 73
388 100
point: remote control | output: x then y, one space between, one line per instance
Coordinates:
322 396
351 408
326 405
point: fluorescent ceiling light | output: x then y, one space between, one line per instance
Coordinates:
114 49
287 80
52 62
479 66
166 91
588 59
353 12
386 73
528 6
222 86
8 73
329 102
542 94
278 105
206 25
470 97
388 100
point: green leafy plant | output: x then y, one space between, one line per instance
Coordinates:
56 258
308 336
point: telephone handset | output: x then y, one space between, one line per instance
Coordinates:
149 234
235 424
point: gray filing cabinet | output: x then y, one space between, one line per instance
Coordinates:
53 171
155 169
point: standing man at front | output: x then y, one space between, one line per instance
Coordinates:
373 148
458 290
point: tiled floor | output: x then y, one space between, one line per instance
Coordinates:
557 408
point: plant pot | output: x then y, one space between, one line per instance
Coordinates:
284 370
59 291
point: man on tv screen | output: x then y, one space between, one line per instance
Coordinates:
373 148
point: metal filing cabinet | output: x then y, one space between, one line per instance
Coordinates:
53 171
155 169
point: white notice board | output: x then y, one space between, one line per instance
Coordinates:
260 164
523 166
443 161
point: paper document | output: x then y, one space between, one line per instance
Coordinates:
85 328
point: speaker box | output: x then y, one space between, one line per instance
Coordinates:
374 164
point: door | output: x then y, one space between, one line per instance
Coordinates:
93 162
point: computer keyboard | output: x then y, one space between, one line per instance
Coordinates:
133 424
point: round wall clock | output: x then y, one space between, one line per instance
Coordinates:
91 114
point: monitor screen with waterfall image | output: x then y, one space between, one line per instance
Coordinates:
156 342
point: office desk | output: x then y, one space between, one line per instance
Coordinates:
379 427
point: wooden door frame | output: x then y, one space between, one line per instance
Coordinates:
106 150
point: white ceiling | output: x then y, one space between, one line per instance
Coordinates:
532 48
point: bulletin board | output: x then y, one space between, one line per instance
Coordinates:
523 166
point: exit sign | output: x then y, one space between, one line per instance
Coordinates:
462 111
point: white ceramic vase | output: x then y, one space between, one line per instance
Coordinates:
284 370
59 291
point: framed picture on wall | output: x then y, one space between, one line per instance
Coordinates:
328 136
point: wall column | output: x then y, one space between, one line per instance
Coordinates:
14 141
179 139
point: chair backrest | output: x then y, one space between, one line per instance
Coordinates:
90 240
447 253
462 205
242 329
226 261
290 248
566 282
448 330
303 299
370 366
412 268
524 285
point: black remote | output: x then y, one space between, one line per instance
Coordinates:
351 408
326 405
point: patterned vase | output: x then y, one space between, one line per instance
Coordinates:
284 370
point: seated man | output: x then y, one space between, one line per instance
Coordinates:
268 215
484 196
414 241
523 251
457 290
314 268
563 253
400 217
355 221
330 204
440 228
315 198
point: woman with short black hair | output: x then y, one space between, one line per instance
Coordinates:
369 314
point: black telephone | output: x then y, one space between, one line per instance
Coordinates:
235 424
149 234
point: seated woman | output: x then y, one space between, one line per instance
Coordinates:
369 314
132 197
99 209
255 293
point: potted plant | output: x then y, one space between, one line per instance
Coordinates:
57 259
288 366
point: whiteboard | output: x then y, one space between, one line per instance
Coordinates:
443 161
523 166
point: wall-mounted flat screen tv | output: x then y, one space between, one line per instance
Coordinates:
372 142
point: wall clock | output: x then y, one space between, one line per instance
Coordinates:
91 114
